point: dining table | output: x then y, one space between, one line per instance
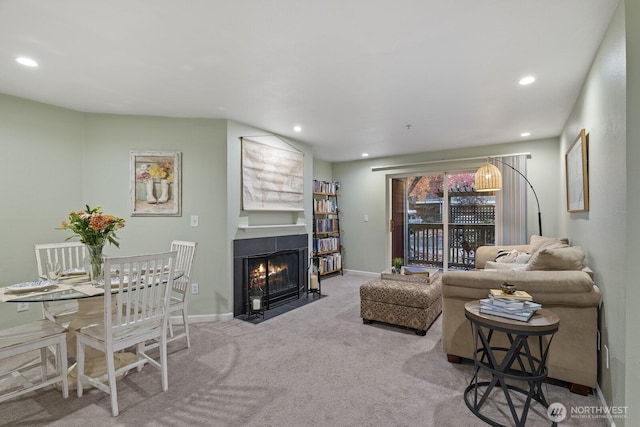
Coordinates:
73 286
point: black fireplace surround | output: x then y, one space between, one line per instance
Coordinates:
250 254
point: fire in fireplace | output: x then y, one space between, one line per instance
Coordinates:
275 276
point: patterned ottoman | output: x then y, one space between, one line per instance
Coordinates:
410 304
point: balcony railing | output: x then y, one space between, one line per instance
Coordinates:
426 243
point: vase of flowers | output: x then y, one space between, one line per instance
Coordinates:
95 229
94 263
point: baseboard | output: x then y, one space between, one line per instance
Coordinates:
202 318
368 273
604 404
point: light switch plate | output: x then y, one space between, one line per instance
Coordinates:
194 220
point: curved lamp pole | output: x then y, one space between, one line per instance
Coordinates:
489 178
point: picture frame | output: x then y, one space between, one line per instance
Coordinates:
272 177
155 185
577 174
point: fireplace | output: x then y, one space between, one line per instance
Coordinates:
275 276
275 267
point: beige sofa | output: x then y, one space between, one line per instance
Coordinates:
557 279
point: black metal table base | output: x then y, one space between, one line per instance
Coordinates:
529 369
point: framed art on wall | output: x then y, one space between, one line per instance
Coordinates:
155 183
272 177
577 174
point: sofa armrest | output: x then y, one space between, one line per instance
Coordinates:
488 253
567 288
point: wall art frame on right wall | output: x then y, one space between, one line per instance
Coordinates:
577 173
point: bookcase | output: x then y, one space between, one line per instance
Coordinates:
327 234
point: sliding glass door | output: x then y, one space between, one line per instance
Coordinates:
425 228
446 220
471 220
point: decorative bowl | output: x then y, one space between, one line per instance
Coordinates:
508 288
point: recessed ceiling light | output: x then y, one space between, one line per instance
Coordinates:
26 61
527 80
297 128
365 154
525 134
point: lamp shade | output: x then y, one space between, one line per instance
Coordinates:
488 178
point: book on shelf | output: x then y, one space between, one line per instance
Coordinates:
324 187
516 296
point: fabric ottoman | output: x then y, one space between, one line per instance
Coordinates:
409 304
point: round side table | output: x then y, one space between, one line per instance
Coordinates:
524 360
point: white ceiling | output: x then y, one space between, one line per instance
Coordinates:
352 73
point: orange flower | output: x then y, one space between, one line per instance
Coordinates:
98 222
93 227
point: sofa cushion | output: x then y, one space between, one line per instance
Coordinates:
565 288
557 257
539 242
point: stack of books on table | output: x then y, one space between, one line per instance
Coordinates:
518 305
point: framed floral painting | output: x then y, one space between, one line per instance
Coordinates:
155 184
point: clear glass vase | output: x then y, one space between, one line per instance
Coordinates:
94 264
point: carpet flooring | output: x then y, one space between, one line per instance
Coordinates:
317 365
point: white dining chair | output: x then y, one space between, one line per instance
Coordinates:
71 256
181 287
143 282
37 335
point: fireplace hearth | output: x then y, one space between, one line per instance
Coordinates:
274 267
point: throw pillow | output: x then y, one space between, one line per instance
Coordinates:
494 265
538 242
506 256
533 261
557 258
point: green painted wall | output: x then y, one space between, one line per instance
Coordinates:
64 159
601 110
42 148
632 298
202 142
365 192
322 170
60 160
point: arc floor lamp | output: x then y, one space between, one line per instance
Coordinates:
489 178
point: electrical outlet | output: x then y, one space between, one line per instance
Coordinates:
195 220
194 289
23 306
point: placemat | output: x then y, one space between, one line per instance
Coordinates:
8 296
89 289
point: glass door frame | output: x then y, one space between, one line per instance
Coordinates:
446 208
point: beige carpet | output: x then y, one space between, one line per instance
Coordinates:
318 365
